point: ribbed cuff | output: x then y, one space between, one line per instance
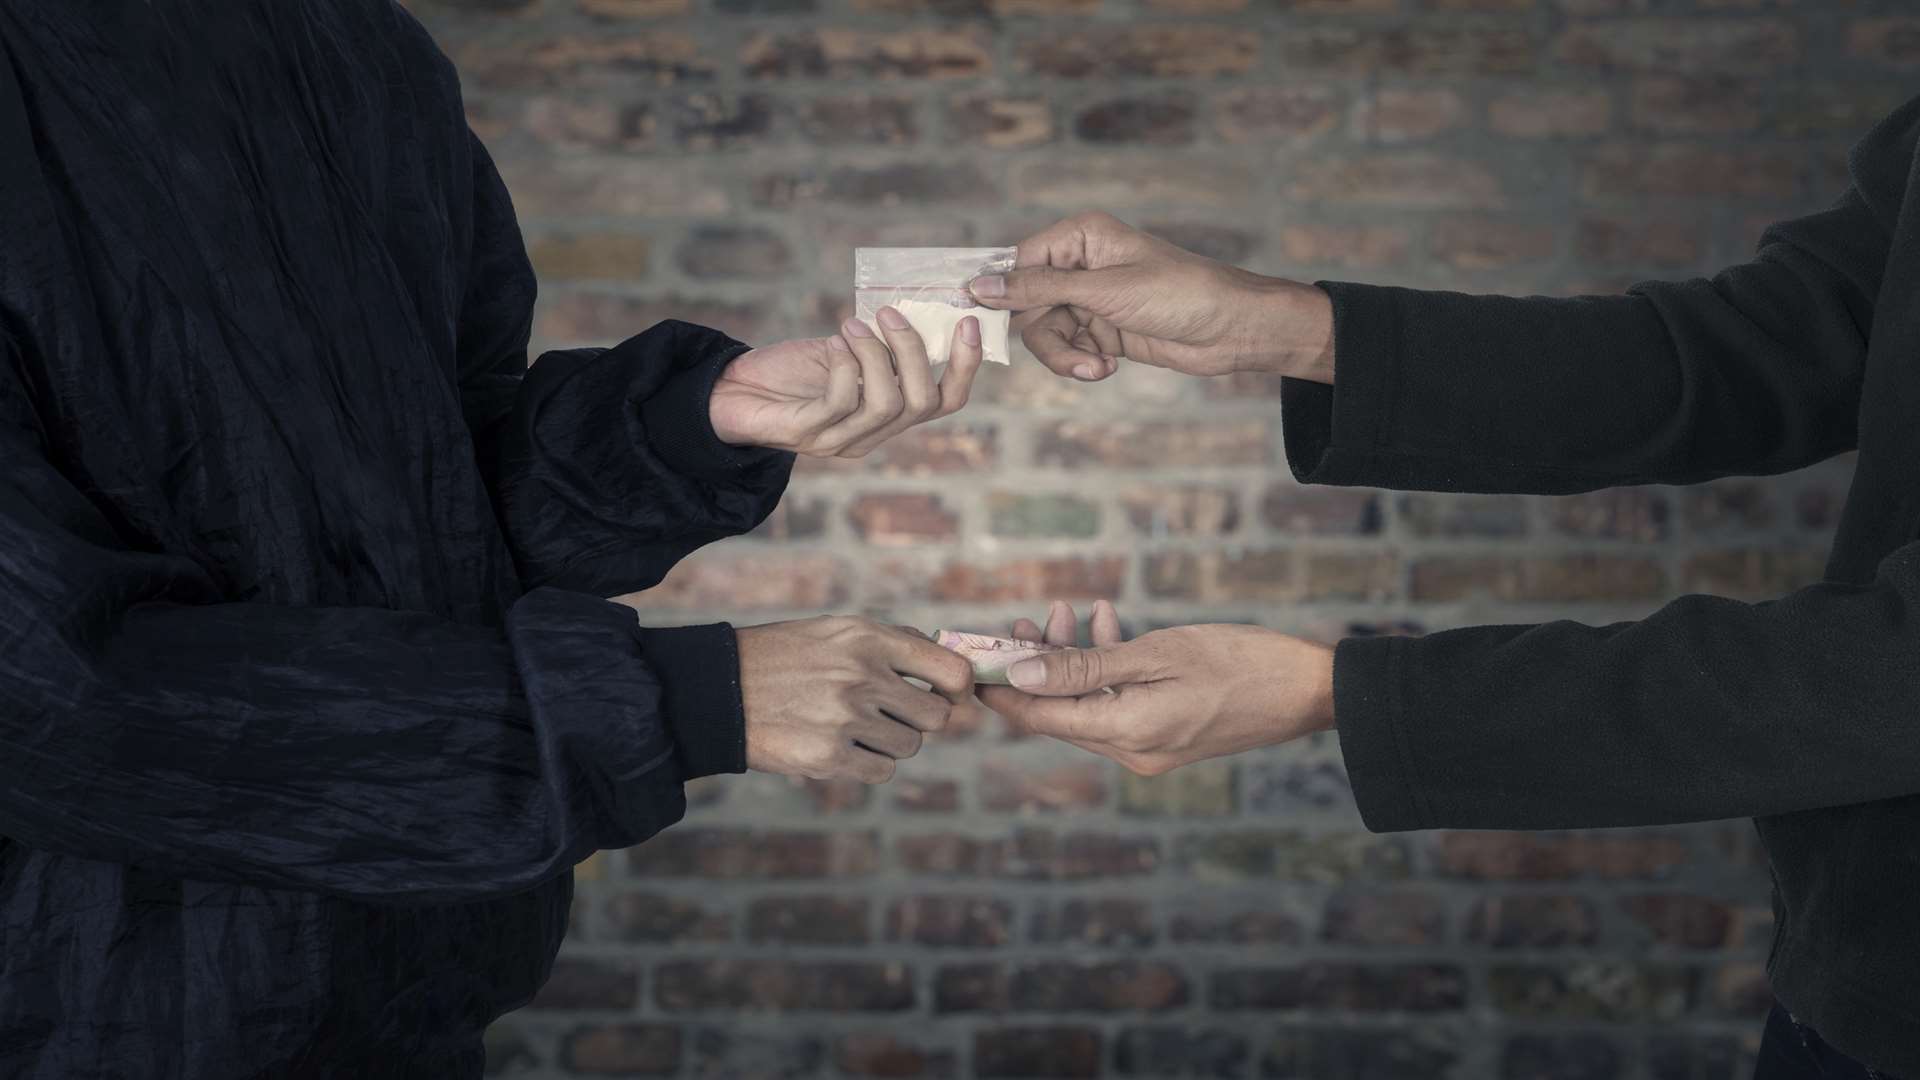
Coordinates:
699 672
1332 433
1367 673
680 424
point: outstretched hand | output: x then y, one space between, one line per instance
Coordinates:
844 395
1092 289
1170 697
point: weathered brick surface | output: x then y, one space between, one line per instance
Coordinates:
1008 907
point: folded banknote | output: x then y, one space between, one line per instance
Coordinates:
991 656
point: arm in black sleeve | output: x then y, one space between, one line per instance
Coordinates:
363 752
1756 370
1708 709
603 463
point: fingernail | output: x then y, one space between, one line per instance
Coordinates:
990 285
856 328
1027 674
840 343
892 319
970 330
1084 371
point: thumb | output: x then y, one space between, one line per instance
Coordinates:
1072 672
1047 286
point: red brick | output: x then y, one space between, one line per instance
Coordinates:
1289 854
1043 855
1696 46
1142 121
1140 50
1427 48
885 1055
1533 922
1346 987
1742 990
578 187
569 124
1532 579
1641 240
656 918
924 53
1618 514
893 520
1153 444
1222 242
1254 926
1367 246
1410 179
1182 511
1752 574
926 796
1030 579
1348 575
623 1050
1551 114
734 251
808 920
867 120
1095 922
798 517
1384 919
1272 113
1447 516
784 986
1639 171
1695 105
1321 511
1104 179
762 582
1690 922
608 256
1893 41
1398 115
1060 986
1492 243
634 9
1497 856
721 121
1006 784
922 451
1593 991
1000 122
961 921
942 854
741 853
1065 1053
660 57
899 184
582 317
1212 577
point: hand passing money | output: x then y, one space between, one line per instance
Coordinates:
991 656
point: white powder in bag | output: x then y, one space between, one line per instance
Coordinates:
936 323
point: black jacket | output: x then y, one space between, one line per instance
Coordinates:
1803 712
309 700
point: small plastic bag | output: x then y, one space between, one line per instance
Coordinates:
929 287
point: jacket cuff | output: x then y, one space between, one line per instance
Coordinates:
699 672
1367 682
1332 434
680 426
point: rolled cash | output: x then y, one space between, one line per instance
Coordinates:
991 656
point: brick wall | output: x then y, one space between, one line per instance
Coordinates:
1017 908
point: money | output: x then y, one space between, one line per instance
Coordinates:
991 656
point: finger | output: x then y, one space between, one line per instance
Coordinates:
1104 624
843 386
1085 720
1047 286
1061 623
1026 630
1072 672
918 396
964 358
1106 336
884 736
1050 339
913 654
880 398
914 707
866 766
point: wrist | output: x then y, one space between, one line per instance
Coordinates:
721 419
1291 328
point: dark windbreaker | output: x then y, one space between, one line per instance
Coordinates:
1802 712
308 698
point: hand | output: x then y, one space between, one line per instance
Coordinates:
844 395
1179 695
827 698
1092 289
